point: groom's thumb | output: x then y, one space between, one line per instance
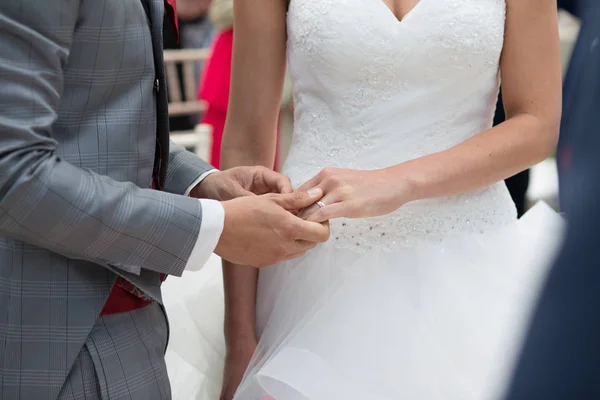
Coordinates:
299 199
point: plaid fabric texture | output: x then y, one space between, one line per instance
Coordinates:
81 113
123 358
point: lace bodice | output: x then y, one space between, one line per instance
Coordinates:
371 91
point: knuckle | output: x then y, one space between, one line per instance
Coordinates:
291 229
326 232
346 191
280 253
317 215
327 172
336 180
271 197
298 195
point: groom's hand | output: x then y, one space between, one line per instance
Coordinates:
260 230
241 181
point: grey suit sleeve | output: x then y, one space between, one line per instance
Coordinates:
52 204
184 168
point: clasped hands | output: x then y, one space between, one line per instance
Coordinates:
267 222
261 225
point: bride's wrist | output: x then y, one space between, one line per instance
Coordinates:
403 186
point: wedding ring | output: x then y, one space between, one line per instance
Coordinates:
320 204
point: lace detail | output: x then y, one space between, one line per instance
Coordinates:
371 91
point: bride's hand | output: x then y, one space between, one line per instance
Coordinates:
356 194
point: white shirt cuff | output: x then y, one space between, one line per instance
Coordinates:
213 218
200 179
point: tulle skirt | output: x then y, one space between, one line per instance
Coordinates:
424 322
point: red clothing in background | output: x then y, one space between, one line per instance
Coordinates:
214 89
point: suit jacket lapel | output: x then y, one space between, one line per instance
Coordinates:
155 9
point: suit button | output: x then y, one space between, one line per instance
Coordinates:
157 85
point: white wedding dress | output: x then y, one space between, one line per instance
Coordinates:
429 302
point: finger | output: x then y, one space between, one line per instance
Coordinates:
295 255
311 231
308 211
284 184
301 247
274 182
298 200
329 198
330 211
304 245
311 183
244 193
233 191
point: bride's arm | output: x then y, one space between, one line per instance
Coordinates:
250 136
531 90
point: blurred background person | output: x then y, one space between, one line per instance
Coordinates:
196 31
196 28
215 82
588 39
561 357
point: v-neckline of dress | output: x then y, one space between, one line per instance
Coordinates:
405 16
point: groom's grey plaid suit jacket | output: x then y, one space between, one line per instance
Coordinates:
83 110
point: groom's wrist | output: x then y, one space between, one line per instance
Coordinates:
211 228
195 189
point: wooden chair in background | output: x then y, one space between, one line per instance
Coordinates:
185 104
